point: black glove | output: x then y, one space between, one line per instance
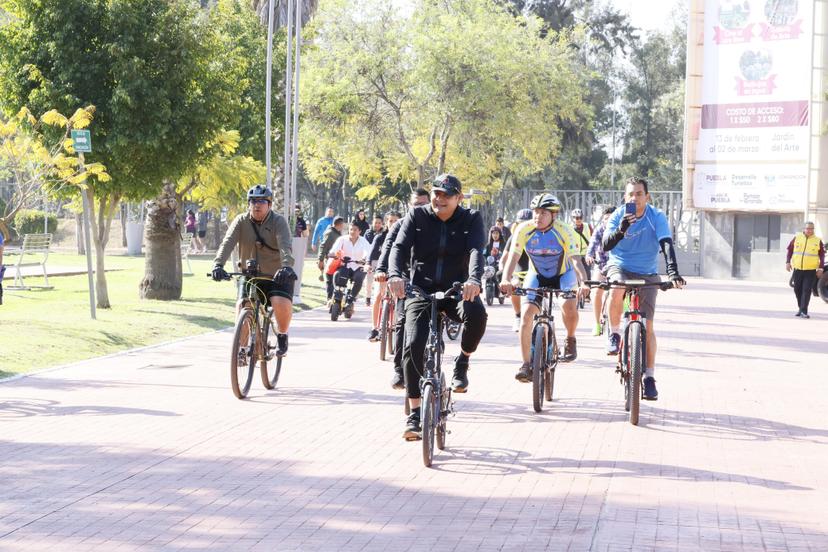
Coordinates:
284 275
676 277
220 274
625 224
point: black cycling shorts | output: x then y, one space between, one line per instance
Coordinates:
268 287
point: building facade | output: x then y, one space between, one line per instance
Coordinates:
755 144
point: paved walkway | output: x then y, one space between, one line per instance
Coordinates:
150 451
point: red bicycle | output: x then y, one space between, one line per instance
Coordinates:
632 353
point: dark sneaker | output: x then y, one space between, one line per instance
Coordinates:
570 350
805 315
281 344
798 313
398 381
650 392
460 381
613 344
373 336
413 429
525 373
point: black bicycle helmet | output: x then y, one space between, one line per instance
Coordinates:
524 214
259 191
545 201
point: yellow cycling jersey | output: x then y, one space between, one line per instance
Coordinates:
550 252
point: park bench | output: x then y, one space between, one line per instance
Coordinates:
186 242
33 252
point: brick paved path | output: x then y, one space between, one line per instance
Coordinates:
150 451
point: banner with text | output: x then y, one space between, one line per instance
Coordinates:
752 153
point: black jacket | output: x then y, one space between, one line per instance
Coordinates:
385 252
441 253
376 244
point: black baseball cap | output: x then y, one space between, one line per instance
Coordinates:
447 183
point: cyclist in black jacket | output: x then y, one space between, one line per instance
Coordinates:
419 197
444 244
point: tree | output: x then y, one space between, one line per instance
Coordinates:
459 86
654 103
151 69
37 155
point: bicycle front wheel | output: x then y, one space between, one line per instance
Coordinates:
270 364
243 359
538 368
429 403
636 366
549 382
445 404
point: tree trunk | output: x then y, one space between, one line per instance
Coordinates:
123 224
162 269
100 221
79 234
216 235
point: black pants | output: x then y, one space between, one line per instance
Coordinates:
329 285
804 281
399 332
344 274
417 315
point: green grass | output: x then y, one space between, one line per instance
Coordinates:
42 328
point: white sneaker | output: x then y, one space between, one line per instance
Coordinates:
516 324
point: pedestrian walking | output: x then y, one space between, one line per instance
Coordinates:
806 257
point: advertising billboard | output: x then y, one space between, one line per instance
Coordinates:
752 152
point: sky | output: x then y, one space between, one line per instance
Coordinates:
647 14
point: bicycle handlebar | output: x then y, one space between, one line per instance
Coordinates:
630 284
414 291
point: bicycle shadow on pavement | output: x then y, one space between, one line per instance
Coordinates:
707 425
503 461
320 396
24 408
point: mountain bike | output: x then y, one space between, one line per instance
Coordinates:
632 354
386 327
545 352
436 395
254 339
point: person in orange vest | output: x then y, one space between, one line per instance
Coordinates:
806 256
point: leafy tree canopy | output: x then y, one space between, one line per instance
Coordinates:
460 86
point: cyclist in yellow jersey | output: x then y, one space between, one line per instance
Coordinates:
554 256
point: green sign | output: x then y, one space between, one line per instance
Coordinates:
82 140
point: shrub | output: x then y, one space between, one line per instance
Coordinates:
29 221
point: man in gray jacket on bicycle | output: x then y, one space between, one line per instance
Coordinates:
263 235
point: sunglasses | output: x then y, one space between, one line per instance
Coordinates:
258 201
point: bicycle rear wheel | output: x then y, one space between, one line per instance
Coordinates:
538 368
383 328
429 403
243 359
270 364
636 363
445 403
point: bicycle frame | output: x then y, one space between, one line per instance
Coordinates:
632 315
